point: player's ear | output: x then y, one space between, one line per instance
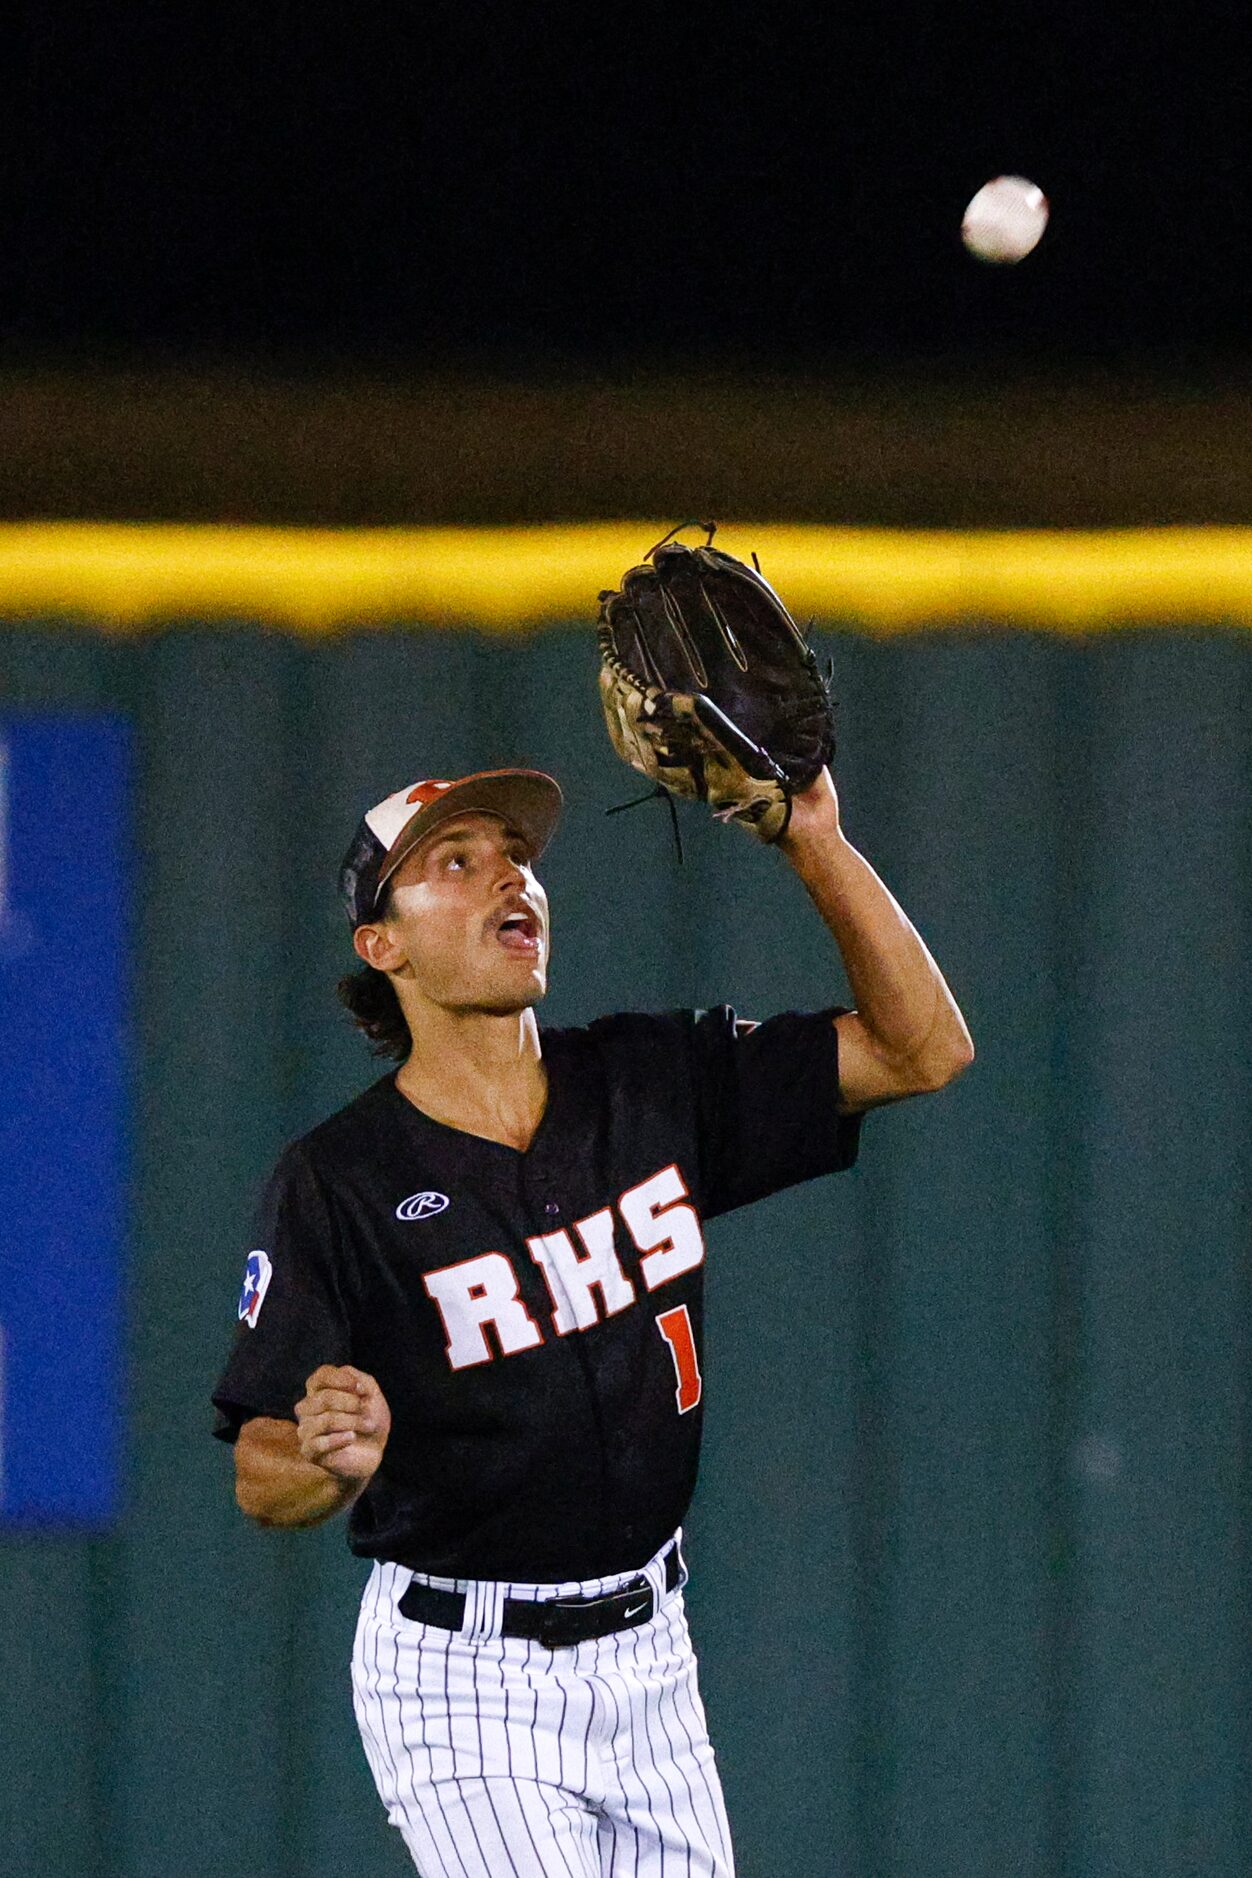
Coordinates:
376 946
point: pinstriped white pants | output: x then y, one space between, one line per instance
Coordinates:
498 1758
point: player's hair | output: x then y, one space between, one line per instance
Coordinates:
370 997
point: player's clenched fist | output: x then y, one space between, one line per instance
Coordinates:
343 1422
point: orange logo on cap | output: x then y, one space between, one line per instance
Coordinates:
425 792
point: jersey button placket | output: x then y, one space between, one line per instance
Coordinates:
552 1213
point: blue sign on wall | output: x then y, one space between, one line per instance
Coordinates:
65 917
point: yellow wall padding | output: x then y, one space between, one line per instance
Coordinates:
129 577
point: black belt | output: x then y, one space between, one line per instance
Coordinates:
558 1622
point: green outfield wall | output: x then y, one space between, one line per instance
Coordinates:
971 1574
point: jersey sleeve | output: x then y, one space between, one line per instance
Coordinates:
766 1099
293 1309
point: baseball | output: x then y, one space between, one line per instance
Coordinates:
1005 219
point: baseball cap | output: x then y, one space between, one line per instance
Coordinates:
527 799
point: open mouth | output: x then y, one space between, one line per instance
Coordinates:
519 932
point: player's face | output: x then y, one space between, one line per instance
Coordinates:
471 918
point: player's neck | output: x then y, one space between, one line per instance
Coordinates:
481 1073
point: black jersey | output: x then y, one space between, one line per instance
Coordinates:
534 1319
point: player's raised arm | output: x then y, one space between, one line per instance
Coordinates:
710 688
303 1472
906 1036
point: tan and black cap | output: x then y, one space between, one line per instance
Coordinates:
527 799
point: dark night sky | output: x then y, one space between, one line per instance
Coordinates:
508 183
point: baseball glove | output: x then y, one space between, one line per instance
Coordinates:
710 688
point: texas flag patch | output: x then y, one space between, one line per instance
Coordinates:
256 1282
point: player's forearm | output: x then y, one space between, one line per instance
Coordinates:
899 992
279 1488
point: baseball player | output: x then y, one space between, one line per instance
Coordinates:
473 1322
473 1317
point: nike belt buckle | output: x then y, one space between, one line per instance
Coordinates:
582 1620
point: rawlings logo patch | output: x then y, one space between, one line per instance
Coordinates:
421 1205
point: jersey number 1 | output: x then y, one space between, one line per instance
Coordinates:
675 1327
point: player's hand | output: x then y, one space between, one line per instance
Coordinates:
342 1422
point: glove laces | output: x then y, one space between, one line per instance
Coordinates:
651 796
